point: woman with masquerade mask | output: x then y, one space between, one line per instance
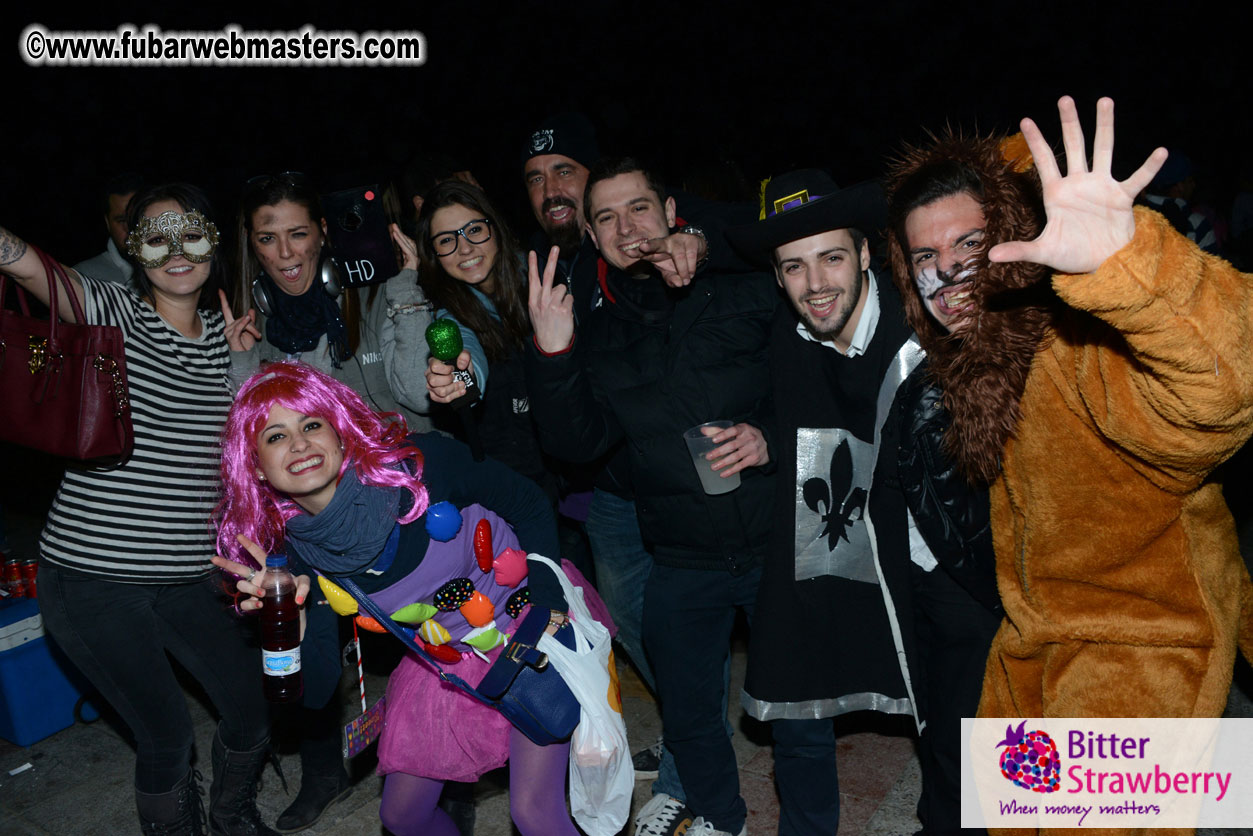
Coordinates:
370 338
124 558
308 468
475 274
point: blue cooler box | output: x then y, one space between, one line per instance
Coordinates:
37 698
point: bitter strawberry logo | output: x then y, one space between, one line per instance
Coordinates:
1030 759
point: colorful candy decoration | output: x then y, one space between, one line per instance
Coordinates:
479 610
510 567
367 623
485 638
414 613
443 521
453 594
445 653
341 602
517 602
432 632
483 545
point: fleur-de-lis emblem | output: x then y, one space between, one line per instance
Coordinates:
819 497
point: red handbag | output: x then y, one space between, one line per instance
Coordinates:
63 384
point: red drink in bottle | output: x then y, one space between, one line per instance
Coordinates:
280 633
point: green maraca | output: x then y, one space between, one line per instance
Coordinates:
443 337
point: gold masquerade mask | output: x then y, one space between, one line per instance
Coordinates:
156 240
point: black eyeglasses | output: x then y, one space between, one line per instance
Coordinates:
477 231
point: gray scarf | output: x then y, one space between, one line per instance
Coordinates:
351 531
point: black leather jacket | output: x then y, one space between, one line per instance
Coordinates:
952 516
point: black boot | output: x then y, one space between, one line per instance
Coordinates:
176 812
323 781
233 796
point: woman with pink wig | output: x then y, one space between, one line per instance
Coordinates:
310 470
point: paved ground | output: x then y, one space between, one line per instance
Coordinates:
80 778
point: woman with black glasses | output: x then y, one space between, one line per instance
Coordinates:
475 274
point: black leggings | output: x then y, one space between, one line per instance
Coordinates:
118 635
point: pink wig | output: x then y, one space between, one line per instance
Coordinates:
375 445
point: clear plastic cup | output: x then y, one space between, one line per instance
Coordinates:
698 444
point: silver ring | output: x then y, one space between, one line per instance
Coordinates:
251 575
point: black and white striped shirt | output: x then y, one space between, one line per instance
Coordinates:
148 520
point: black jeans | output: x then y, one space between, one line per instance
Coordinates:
118 634
806 776
688 617
954 633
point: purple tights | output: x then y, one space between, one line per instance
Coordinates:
537 795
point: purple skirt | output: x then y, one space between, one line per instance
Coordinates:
435 730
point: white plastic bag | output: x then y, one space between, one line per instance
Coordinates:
602 778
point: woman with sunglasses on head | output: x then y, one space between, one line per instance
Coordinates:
369 338
309 469
125 577
475 274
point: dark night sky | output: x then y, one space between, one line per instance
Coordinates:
837 85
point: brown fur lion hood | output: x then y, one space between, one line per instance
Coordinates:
983 371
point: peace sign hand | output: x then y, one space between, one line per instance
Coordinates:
251 579
1089 214
550 304
241 334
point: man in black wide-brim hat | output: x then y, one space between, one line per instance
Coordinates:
838 580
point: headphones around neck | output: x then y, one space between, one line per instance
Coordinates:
328 274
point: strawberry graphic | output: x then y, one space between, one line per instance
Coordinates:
1030 759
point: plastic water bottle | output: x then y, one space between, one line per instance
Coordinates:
280 633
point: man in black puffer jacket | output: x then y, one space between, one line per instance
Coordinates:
653 362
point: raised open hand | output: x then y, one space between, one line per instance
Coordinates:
1089 215
550 304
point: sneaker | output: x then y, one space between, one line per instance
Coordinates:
663 815
647 761
700 827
